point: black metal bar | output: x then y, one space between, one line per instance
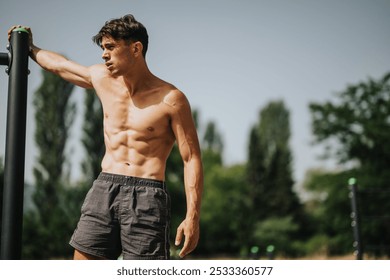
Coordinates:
4 58
11 237
355 216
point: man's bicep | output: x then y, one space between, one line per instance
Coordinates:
186 135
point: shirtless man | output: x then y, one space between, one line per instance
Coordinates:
127 209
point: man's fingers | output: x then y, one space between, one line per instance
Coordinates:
179 236
17 26
185 250
10 31
190 234
188 247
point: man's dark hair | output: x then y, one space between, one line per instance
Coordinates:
125 28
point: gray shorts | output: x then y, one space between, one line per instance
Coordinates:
124 215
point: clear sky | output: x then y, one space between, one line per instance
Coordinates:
229 57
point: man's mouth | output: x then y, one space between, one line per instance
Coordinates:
108 65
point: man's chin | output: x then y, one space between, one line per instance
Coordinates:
114 73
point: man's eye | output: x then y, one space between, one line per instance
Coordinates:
108 47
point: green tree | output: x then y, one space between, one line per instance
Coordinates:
54 115
47 230
93 138
269 173
225 210
256 170
330 208
212 140
225 196
358 122
276 231
212 146
355 129
269 163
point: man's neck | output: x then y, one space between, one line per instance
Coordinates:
139 80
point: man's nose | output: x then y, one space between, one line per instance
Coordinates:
105 55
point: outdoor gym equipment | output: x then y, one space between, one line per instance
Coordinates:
12 217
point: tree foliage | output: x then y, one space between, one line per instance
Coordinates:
225 201
92 138
49 225
270 176
358 122
330 208
225 211
356 129
269 163
212 140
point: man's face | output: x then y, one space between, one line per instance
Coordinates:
116 55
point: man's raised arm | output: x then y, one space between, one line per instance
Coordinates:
58 64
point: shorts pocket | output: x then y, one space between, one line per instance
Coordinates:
99 199
152 205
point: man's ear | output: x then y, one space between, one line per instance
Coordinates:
137 48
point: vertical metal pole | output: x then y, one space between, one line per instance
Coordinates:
357 244
12 219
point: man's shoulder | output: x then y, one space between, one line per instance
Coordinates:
98 69
99 75
175 97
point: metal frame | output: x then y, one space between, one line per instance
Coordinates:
12 218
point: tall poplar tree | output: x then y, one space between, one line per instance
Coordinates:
212 146
270 175
93 137
269 162
54 115
48 228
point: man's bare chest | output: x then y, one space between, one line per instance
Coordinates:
121 114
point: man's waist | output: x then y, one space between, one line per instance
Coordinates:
130 180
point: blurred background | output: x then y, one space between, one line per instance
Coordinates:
291 99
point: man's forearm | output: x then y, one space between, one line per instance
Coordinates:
61 66
193 180
48 60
